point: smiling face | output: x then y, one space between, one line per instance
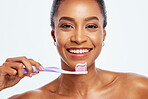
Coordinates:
78 32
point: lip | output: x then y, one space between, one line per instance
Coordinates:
81 55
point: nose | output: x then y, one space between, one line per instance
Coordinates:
79 37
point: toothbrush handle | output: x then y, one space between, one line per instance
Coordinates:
46 69
34 70
55 69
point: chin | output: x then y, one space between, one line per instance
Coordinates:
71 64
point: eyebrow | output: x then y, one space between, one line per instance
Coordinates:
91 18
72 19
66 18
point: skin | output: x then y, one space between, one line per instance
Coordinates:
80 32
11 72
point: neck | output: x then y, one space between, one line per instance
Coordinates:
79 84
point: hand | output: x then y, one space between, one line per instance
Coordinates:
12 71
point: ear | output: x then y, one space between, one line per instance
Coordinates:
53 35
104 34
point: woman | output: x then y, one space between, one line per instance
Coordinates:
78 30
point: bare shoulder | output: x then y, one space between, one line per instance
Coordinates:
34 94
135 79
134 85
42 93
137 84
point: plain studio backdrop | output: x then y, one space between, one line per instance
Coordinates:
25 31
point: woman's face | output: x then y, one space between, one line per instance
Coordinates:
78 31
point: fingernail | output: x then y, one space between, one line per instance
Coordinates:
30 75
41 68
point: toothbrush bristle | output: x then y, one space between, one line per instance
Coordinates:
81 67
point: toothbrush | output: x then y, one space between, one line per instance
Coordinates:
80 69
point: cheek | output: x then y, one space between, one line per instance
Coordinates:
61 38
96 38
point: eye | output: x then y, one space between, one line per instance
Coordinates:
91 26
66 26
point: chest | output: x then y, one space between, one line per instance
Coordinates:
115 92
110 94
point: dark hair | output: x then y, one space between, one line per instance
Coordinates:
56 4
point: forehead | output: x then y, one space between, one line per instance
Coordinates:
79 8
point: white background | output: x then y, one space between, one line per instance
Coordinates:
25 31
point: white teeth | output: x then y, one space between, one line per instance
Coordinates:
79 51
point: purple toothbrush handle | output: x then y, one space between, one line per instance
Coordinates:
46 69
51 69
34 70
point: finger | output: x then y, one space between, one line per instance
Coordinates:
24 61
36 64
35 73
15 59
16 66
9 71
32 74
